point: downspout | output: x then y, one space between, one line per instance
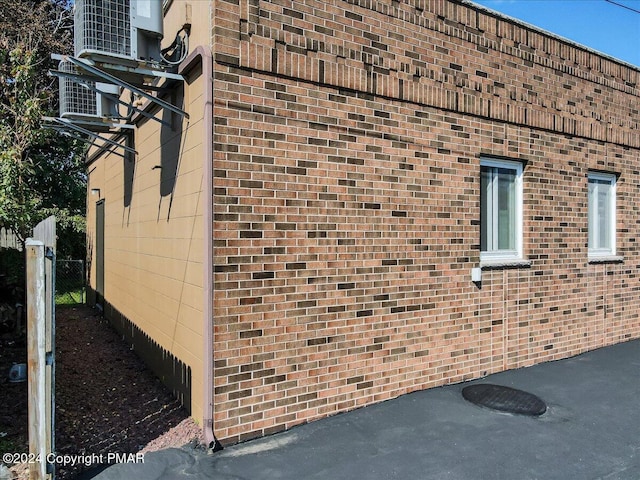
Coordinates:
204 55
207 71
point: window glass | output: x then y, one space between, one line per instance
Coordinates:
506 209
601 214
500 208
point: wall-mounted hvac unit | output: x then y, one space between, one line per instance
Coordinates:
75 98
129 29
82 100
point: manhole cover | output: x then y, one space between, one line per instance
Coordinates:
504 399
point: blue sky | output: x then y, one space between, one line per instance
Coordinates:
597 24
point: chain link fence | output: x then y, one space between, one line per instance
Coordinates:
70 282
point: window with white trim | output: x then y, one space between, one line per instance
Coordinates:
500 209
602 214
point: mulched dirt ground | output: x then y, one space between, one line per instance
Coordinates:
13 397
107 401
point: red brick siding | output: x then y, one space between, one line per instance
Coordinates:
347 142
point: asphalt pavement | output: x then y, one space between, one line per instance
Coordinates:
590 430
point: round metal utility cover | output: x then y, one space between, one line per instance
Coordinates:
504 399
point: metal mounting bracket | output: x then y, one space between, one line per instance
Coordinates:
86 81
90 66
63 124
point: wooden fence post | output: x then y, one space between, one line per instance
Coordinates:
36 351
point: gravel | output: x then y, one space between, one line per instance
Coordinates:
107 400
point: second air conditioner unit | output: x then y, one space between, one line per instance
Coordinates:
86 100
128 29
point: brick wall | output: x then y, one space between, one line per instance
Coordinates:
348 137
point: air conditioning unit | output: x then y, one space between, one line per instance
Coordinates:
129 29
79 101
76 99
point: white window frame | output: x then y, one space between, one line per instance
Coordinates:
506 255
594 252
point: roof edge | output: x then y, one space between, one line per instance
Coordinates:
522 23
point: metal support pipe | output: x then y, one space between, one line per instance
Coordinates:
108 78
